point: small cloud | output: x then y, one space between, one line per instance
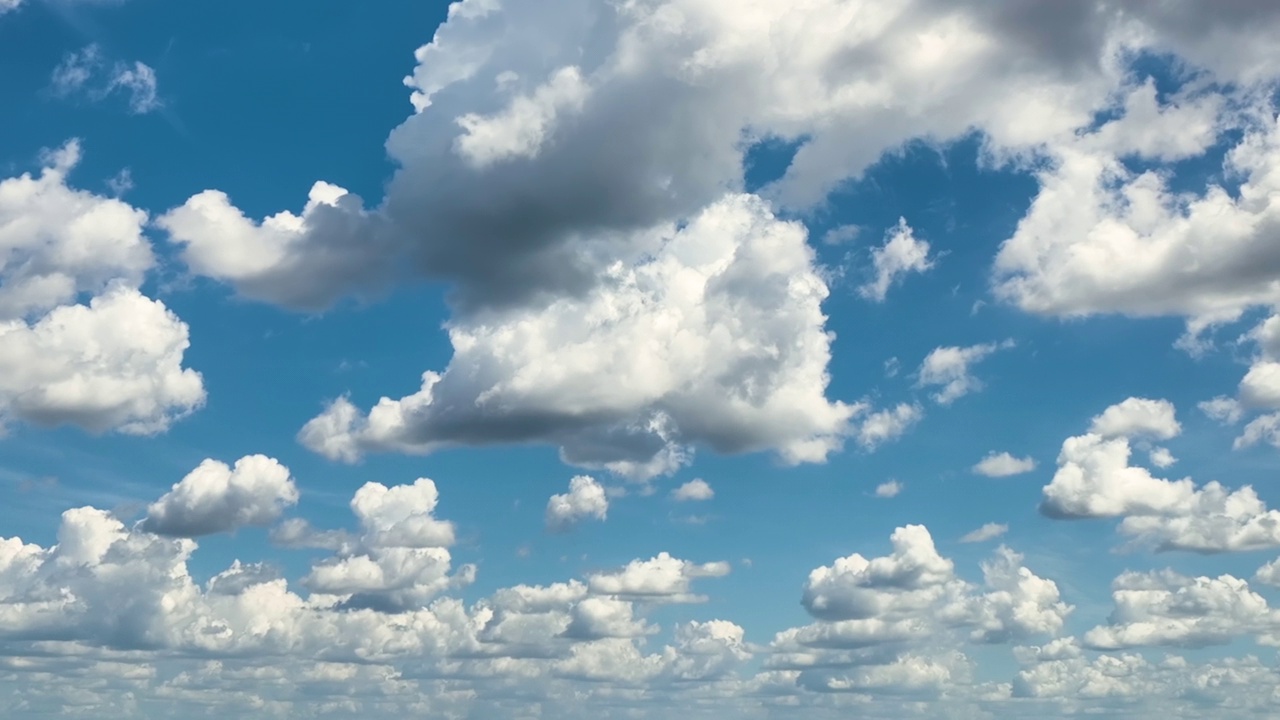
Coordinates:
1004 465
900 255
889 424
696 490
889 489
586 499
990 531
948 368
87 73
1222 409
892 367
841 235
1162 458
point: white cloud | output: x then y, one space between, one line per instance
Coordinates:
542 182
87 73
1161 457
1003 464
586 499
716 338
990 531
888 489
114 363
1096 480
948 367
1222 409
696 490
1101 238
216 498
660 579
1138 417
900 255
889 424
1168 609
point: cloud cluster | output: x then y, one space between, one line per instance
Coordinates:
565 170
81 344
1096 479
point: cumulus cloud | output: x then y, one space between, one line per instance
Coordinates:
901 255
889 424
1003 464
87 73
888 489
990 531
714 338
1222 409
568 194
216 498
1164 608
948 369
114 362
1095 479
660 579
696 490
586 499
885 614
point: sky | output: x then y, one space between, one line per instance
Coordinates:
640 358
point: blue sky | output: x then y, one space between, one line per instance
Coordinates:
906 359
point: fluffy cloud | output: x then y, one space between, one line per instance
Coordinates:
696 490
716 338
900 255
586 499
1165 608
948 368
567 196
1095 479
885 425
114 363
888 489
216 498
1003 465
1101 237
660 579
263 258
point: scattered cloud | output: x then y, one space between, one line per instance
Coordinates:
695 490
990 531
586 499
1003 464
889 489
88 74
948 368
901 255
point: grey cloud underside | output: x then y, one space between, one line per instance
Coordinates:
559 148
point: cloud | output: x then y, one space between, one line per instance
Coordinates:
990 531
586 499
1138 417
217 498
87 74
889 424
1168 609
661 579
1222 409
696 490
879 612
727 312
1003 464
889 489
948 367
111 363
1103 238
900 255
1095 479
